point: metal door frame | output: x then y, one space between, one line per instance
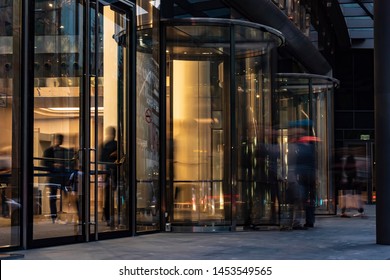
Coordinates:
122 7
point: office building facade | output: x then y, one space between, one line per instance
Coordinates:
121 118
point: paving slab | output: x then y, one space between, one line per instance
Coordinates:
332 238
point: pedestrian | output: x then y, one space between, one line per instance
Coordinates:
54 161
108 158
352 193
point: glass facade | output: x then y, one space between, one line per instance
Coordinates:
81 119
58 69
10 87
131 123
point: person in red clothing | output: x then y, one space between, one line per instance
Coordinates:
302 182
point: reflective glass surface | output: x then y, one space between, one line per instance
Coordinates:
198 85
148 132
80 140
257 151
57 82
9 109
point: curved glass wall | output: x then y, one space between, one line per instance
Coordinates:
218 101
148 119
303 106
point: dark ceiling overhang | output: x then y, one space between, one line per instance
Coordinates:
339 25
359 19
297 44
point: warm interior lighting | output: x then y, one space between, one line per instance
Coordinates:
67 109
206 120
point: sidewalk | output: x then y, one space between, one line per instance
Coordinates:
333 238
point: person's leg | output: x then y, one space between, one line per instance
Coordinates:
107 200
275 202
359 202
4 204
343 203
299 207
310 214
310 205
53 203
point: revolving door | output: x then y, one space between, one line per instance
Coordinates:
302 116
218 102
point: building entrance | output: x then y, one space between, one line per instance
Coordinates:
81 120
303 118
218 96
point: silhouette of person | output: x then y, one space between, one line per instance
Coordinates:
306 177
75 187
351 187
108 157
294 191
302 175
5 174
54 160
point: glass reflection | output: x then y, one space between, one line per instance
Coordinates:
111 210
57 76
257 149
58 106
9 186
148 132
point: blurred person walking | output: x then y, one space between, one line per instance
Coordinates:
54 161
108 157
351 194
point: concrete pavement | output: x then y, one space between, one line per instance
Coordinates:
333 238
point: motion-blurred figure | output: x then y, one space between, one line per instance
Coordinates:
108 157
54 160
302 174
352 196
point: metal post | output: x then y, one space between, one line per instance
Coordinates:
85 119
382 118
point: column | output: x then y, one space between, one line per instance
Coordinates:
382 118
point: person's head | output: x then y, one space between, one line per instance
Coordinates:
110 132
58 139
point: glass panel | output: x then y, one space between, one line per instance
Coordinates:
113 187
148 132
148 195
320 118
195 189
257 151
196 94
9 185
57 80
